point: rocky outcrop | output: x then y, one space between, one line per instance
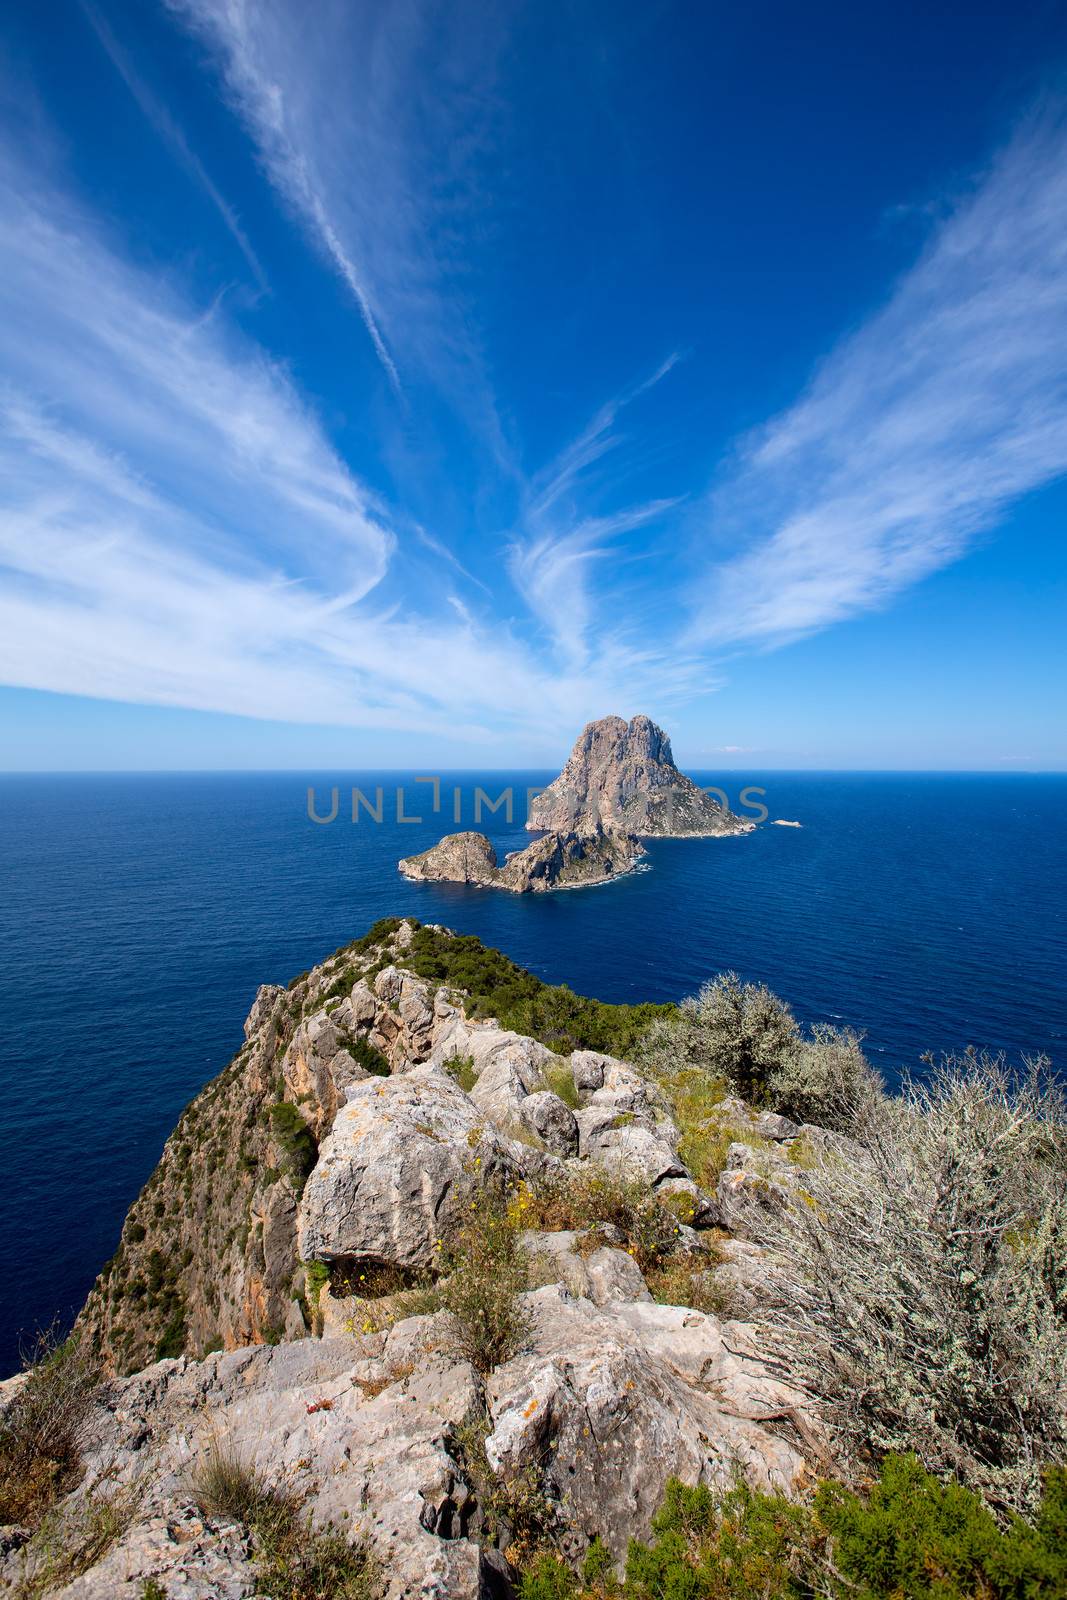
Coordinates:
372 1119
399 1170
622 776
559 860
211 1249
603 1403
457 858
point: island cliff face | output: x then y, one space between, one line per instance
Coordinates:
556 861
622 776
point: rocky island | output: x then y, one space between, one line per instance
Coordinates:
451 1282
620 784
622 775
558 860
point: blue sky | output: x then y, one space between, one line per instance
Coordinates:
408 383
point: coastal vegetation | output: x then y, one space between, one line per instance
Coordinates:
923 1283
909 1537
44 1429
487 1269
746 1040
552 1013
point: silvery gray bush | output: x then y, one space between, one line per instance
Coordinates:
922 1276
748 1037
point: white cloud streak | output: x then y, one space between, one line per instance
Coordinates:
279 82
172 135
559 547
175 528
920 429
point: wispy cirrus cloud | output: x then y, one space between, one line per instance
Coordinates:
108 353
920 429
176 529
261 54
553 559
172 135
372 164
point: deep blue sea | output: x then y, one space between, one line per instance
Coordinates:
139 913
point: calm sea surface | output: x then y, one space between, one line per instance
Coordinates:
139 913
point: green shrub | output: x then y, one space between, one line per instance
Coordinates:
729 1547
487 1273
296 1140
561 1081
517 1515
172 1339
649 1226
461 1068
826 1080
742 1037
687 1282
739 1032
925 1540
365 1056
913 1538
378 933
496 987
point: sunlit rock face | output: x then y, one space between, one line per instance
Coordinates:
622 776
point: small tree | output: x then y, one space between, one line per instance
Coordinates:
740 1032
825 1079
746 1038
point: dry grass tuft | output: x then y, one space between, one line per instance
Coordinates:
44 1429
294 1561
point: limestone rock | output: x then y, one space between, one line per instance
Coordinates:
614 1275
618 1399
458 858
605 1401
622 775
264 1007
751 1179
545 1115
602 1276
629 1148
587 1069
356 1429
398 1170
509 1074
317 1068
769 1125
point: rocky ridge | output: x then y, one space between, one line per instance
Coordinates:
363 1119
623 776
558 860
